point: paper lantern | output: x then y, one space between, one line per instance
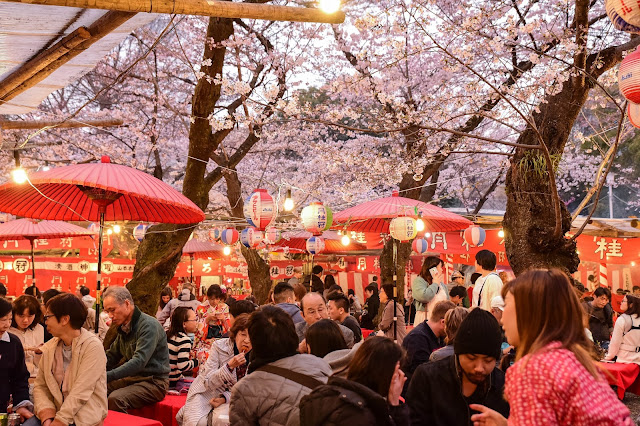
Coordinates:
420 245
250 237
316 218
474 235
272 235
94 227
618 21
259 209
215 234
315 245
629 77
633 112
229 236
629 11
140 231
403 228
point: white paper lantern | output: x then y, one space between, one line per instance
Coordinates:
633 112
215 233
403 228
316 218
618 21
140 231
250 237
229 236
272 235
420 245
315 245
628 10
475 235
259 209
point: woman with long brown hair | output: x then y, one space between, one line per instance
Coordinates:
626 333
554 380
428 288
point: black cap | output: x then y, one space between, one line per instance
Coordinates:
479 333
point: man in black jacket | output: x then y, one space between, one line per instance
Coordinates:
440 392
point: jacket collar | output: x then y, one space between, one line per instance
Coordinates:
482 389
134 321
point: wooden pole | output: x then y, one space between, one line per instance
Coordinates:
28 125
215 8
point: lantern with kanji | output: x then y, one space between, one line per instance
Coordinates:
272 235
259 209
215 233
629 76
403 228
628 11
229 236
420 245
315 245
316 218
474 235
250 237
619 22
140 231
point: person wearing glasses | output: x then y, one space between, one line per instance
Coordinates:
625 340
183 321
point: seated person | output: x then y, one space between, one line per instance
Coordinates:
183 321
441 391
26 326
626 333
71 387
452 320
14 376
213 322
284 298
600 316
314 308
185 298
324 337
457 295
138 359
338 309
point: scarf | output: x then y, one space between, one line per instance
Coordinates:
59 373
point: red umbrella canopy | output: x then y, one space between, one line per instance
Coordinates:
202 249
29 229
297 241
76 192
374 216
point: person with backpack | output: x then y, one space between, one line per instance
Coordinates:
625 340
370 395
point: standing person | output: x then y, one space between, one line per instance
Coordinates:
329 283
371 307
83 293
34 291
71 387
14 376
27 316
46 296
442 393
213 322
284 298
317 285
489 284
472 286
183 321
452 320
314 308
138 359
600 318
299 291
409 309
626 333
554 380
386 326
90 321
636 291
428 288
297 276
338 309
370 395
278 375
186 298
3 291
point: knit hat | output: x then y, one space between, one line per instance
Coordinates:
479 333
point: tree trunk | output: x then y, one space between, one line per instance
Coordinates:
387 265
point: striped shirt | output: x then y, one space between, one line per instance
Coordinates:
179 357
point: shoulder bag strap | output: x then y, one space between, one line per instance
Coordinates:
301 379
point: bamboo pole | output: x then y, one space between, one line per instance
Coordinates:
26 125
214 8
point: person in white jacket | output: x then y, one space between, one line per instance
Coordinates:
625 340
186 298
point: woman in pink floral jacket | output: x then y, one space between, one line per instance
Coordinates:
213 322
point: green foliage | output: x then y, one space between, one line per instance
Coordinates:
534 164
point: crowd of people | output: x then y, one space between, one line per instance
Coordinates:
489 354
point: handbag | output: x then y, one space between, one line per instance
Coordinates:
214 331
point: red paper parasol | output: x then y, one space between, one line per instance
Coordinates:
374 216
200 250
28 229
297 242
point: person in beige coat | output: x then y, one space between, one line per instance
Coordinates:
386 326
71 386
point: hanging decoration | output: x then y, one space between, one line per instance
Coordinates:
315 245
633 112
250 237
621 16
215 233
629 77
94 227
316 218
272 235
229 236
259 209
403 228
474 235
140 231
420 245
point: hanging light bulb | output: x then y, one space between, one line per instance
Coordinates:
288 201
116 229
501 233
329 6
427 235
420 224
46 168
226 250
345 240
19 175
109 231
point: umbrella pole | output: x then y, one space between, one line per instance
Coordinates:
395 290
33 265
99 277
191 269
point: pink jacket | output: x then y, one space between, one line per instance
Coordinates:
551 387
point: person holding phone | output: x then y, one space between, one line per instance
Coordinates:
429 288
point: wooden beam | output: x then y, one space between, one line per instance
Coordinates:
50 60
215 8
29 125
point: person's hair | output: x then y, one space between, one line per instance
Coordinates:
635 287
84 290
388 290
440 309
68 304
272 333
429 262
340 300
120 294
28 303
633 305
281 291
165 292
335 289
372 288
3 290
474 277
324 337
591 277
49 294
252 299
486 259
374 363
299 291
329 281
297 269
620 291
34 291
544 300
351 292
602 291
317 269
178 317
5 307
459 291
215 292
452 320
310 294
241 322
240 307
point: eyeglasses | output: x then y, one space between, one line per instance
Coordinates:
46 317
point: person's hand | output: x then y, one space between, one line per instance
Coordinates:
487 416
220 316
302 347
397 383
210 318
237 360
47 422
380 333
24 413
37 349
216 402
57 422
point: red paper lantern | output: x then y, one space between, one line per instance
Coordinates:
629 77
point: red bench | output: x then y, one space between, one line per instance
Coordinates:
164 411
115 418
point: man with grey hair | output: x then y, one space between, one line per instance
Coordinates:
138 359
